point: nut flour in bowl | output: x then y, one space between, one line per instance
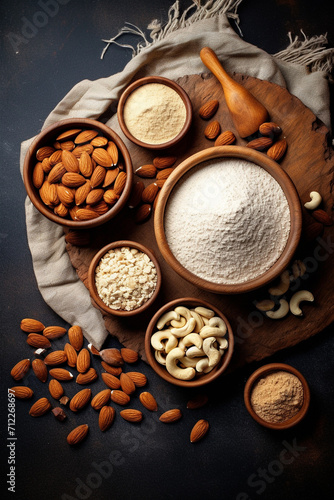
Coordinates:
227 221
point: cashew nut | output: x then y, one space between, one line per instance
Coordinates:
204 311
265 305
283 285
176 371
195 352
199 320
202 366
316 199
183 311
222 342
212 331
191 339
165 318
298 269
297 298
185 330
178 324
280 312
186 362
158 337
160 357
218 322
212 353
171 343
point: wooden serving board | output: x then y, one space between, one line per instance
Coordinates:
310 163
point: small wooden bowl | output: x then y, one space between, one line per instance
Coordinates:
168 83
200 379
91 278
47 138
266 370
272 168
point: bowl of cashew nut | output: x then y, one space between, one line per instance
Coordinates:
189 342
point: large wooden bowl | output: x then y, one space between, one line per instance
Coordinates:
47 138
273 169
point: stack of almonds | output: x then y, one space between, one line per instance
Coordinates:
80 176
121 385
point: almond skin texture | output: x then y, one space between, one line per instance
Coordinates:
38 340
208 109
75 337
55 358
40 407
199 430
120 182
85 164
65 195
38 175
83 361
70 161
88 148
40 369
270 129
94 196
71 354
22 392
110 177
73 180
197 402
260 144
322 217
146 171
85 136
20 369
136 194
149 193
77 435
161 162
148 401
114 370
56 389
80 399
170 416
119 397
102 157
165 173
112 356
127 384
225 138
143 213
112 150
54 332
132 415
138 378
129 355
98 176
277 150
100 399
111 381
82 192
31 325
61 374
68 134
106 417
212 130
86 378
86 214
44 152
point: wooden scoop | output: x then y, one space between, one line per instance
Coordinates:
247 112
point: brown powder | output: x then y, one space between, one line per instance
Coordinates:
277 397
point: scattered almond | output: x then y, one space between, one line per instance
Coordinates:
129 355
38 340
29 325
55 358
100 399
136 194
161 162
83 360
119 397
54 332
212 130
149 193
127 384
77 434
199 430
148 401
322 217
170 416
80 400
40 407
260 144
165 173
270 128
112 356
111 381
146 171
40 369
61 374
106 417
225 138
132 415
22 392
114 370
277 150
71 354
56 389
138 378
87 378
75 337
143 213
20 369
208 109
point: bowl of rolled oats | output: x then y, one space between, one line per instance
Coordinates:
124 278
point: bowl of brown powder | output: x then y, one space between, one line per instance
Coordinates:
277 396
154 112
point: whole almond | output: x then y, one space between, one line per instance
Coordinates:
61 210
270 128
22 392
70 162
106 417
208 109
40 407
67 145
55 157
161 162
199 430
119 397
56 173
92 349
110 177
29 325
44 152
38 175
98 176
94 196
86 214
38 340
78 238
102 157
129 355
138 378
165 173
149 193
120 182
100 208
112 150
85 136
136 193
52 195
322 217
71 354
55 358
112 356
40 369
100 399
54 332
146 171
143 212
73 180
148 401
110 196
56 389
88 148
99 142
114 370
170 416
75 336
44 192
197 402
87 377
85 164
65 194
68 134
77 435
111 381
127 384
277 150
80 400
61 374
82 192
260 144
83 360
46 165
131 415
225 138
212 130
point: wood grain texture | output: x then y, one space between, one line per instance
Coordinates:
309 161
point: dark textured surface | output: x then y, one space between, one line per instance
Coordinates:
238 459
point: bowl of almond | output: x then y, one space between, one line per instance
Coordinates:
78 173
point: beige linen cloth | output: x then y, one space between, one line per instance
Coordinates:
173 53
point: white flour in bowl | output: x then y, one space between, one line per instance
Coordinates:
227 221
